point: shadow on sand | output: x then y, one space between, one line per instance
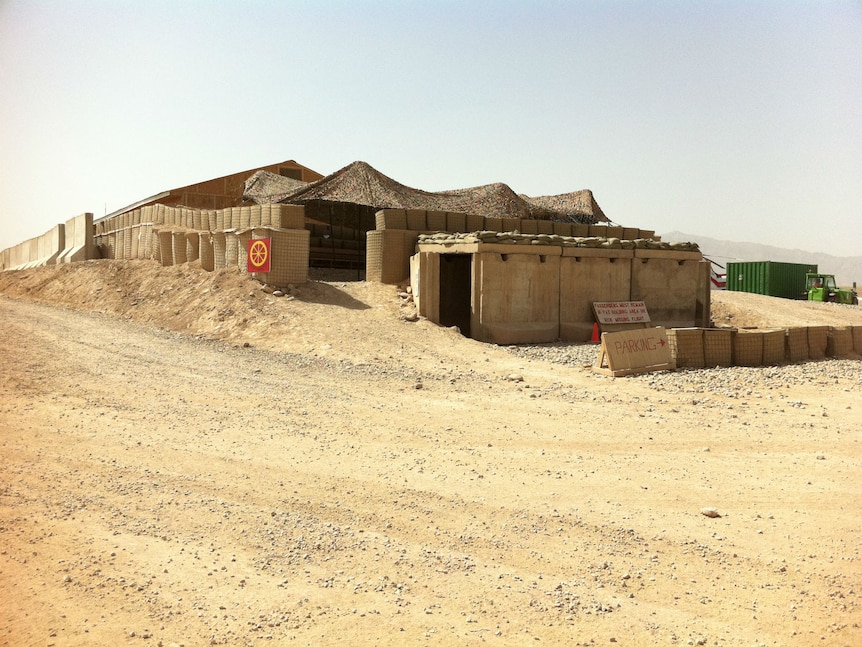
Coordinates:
327 294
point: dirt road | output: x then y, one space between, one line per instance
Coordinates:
166 488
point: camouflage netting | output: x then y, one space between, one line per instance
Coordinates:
264 187
567 206
359 183
516 238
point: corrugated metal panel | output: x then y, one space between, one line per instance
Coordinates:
769 278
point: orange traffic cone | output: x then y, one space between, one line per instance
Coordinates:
595 338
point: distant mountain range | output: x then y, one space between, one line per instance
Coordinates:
845 268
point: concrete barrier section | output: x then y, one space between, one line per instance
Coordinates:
35 252
588 275
666 282
516 297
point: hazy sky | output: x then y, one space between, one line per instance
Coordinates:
734 120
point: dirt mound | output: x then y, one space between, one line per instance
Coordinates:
348 318
344 319
744 310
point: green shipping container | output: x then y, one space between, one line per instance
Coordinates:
785 280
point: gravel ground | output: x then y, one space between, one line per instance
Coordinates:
737 380
188 461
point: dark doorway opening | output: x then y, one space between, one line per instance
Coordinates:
456 286
338 233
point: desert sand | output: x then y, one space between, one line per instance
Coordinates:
190 460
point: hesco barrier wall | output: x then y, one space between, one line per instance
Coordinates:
711 347
217 238
388 260
387 255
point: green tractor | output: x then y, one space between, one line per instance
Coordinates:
822 287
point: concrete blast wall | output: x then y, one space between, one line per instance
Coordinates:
72 241
529 291
79 245
516 297
589 275
667 282
425 280
42 250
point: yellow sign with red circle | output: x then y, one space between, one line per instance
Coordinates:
259 254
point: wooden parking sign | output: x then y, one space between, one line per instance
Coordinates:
634 351
259 254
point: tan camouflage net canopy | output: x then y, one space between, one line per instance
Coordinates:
359 183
